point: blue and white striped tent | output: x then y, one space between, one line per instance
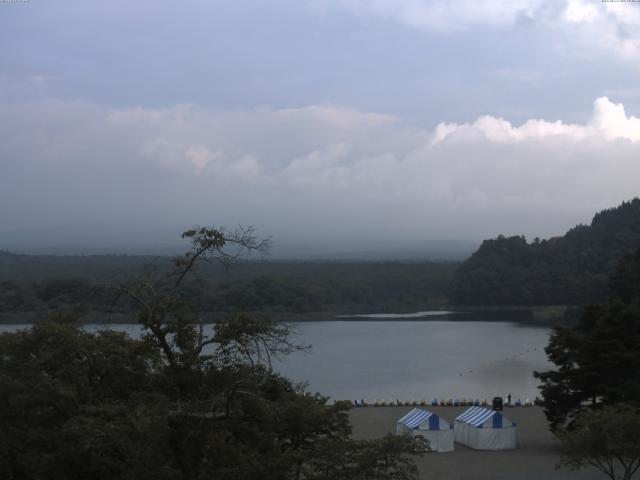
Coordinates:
428 425
484 429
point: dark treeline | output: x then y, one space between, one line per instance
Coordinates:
46 283
568 270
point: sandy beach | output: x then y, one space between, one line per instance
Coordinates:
535 458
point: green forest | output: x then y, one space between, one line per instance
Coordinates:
38 284
568 270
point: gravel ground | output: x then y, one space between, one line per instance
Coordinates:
534 459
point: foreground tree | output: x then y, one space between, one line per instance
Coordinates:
385 459
80 405
178 403
598 359
607 439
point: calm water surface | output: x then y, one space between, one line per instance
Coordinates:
386 360
409 360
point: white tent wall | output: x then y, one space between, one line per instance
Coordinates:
483 429
462 433
492 438
439 440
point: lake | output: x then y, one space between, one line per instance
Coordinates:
398 359
419 360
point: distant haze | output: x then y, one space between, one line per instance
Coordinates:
341 128
149 242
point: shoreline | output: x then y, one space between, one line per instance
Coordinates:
540 315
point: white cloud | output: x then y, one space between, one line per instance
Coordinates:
590 25
612 121
578 11
608 121
316 169
612 27
200 156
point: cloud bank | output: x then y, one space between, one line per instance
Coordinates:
323 173
593 26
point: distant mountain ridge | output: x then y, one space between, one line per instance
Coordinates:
569 270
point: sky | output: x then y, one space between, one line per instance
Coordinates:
330 125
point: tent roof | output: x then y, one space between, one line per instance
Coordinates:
415 417
476 416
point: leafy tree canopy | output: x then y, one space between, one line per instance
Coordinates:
607 439
598 359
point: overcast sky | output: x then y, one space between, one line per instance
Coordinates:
325 123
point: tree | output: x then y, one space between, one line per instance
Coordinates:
176 404
598 359
79 404
165 309
607 439
385 459
567 270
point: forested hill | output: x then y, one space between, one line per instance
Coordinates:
47 283
569 270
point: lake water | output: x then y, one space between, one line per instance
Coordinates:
407 360
419 360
